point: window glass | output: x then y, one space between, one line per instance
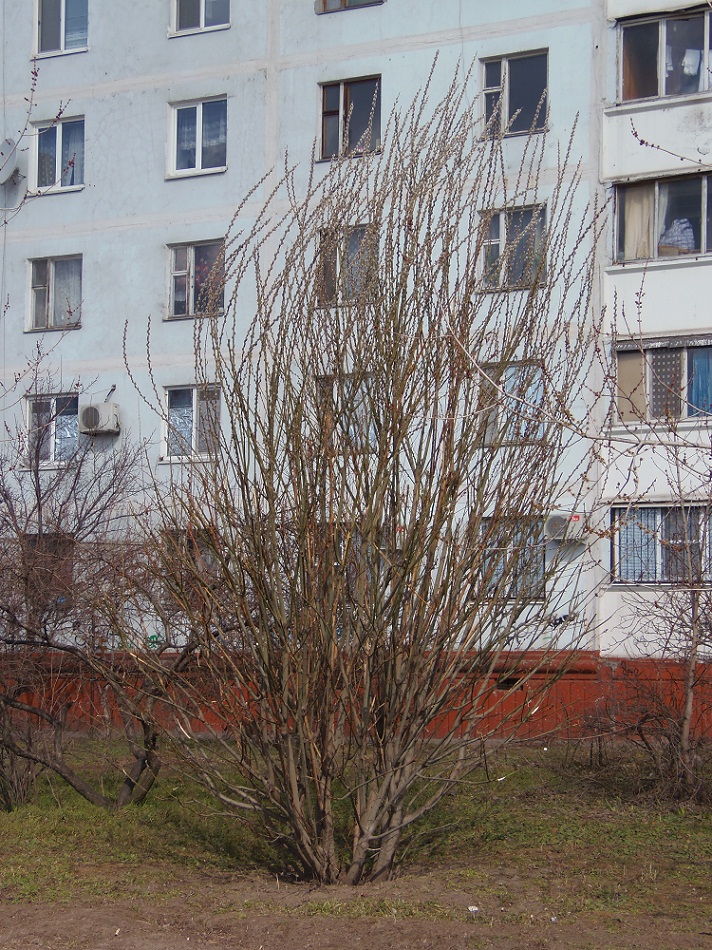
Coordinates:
680 545
217 12
525 230
208 412
635 221
66 429
527 92
699 380
75 27
180 422
67 291
637 549
188 14
640 60
679 216
630 394
362 106
72 171
206 257
351 117
214 142
684 53
187 125
665 383
46 157
50 25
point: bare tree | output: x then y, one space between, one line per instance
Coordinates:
662 547
359 555
67 551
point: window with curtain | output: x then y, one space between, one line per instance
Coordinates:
193 15
200 136
348 265
668 217
667 544
197 279
663 381
56 293
665 56
193 416
63 25
512 396
60 154
514 247
53 428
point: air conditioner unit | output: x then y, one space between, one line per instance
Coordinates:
99 419
565 526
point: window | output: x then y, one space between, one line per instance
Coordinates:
666 218
196 279
200 136
60 154
515 93
62 25
348 413
193 420
514 247
665 57
661 545
53 428
347 265
56 293
511 396
666 381
331 6
515 557
48 562
200 14
351 117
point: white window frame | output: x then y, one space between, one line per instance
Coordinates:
72 169
73 316
499 277
188 274
705 80
198 168
62 48
649 523
176 449
343 113
493 93
649 399
52 452
201 28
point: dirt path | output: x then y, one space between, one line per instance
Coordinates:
203 910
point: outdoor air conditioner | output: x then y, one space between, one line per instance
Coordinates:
99 419
565 526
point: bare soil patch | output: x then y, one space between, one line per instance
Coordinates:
209 909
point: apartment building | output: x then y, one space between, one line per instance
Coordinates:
656 156
147 127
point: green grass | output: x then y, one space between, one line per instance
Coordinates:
175 828
580 837
555 838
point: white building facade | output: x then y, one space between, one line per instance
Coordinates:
138 130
